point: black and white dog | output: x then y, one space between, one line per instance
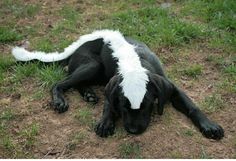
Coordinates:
133 77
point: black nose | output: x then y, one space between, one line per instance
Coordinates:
134 130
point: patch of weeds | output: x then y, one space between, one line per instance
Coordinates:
193 70
22 71
50 74
213 103
189 132
220 18
7 143
2 78
223 40
120 133
218 13
142 2
48 45
39 94
176 155
92 125
64 27
2 129
7 115
228 84
216 59
84 115
31 30
43 44
63 44
231 69
71 18
77 139
5 62
130 150
30 10
69 13
29 134
204 155
155 26
19 9
9 35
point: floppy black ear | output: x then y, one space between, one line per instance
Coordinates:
163 90
111 88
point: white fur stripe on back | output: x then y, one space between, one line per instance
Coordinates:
134 75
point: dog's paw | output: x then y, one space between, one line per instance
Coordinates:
90 97
105 128
212 130
60 105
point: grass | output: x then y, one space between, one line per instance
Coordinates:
189 132
219 16
8 35
49 75
217 13
213 103
84 115
19 9
162 29
70 13
76 139
7 143
130 150
7 115
120 133
228 85
183 69
43 44
176 155
22 71
226 64
203 154
231 69
193 70
5 63
29 135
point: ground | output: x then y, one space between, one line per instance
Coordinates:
195 40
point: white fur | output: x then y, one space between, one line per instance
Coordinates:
134 75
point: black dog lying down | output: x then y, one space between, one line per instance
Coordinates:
133 77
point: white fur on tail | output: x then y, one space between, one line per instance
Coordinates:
134 75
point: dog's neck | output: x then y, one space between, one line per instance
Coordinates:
134 76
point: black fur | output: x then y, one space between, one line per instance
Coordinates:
92 63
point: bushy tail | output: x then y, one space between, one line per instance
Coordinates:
22 54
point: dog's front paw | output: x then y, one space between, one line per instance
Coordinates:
60 105
90 97
212 130
105 128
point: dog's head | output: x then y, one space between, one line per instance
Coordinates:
136 121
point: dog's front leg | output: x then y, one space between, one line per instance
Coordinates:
106 125
184 104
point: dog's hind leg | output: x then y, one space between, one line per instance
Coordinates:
88 94
85 72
